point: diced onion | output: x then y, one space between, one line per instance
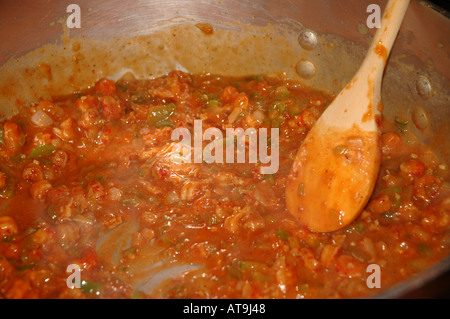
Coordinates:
172 197
234 115
41 119
259 116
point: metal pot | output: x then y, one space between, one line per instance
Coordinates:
319 42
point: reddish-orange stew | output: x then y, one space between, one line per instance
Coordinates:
75 167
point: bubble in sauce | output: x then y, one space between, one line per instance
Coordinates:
423 87
307 39
420 118
305 69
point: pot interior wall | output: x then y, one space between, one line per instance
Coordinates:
249 38
41 57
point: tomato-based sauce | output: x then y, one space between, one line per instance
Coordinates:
75 168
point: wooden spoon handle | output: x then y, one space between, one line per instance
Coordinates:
363 92
327 191
385 36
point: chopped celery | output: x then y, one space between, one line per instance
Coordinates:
282 234
100 178
277 122
164 123
340 150
25 266
276 113
397 203
234 270
212 103
277 106
269 178
214 109
359 227
260 277
282 92
388 215
141 97
393 190
136 295
30 230
91 287
42 150
259 78
160 113
294 110
254 95
424 249
201 96
121 87
402 125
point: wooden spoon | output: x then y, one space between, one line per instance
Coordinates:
335 169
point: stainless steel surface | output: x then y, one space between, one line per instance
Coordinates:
417 73
308 39
33 22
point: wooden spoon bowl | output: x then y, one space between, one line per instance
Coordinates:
335 169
